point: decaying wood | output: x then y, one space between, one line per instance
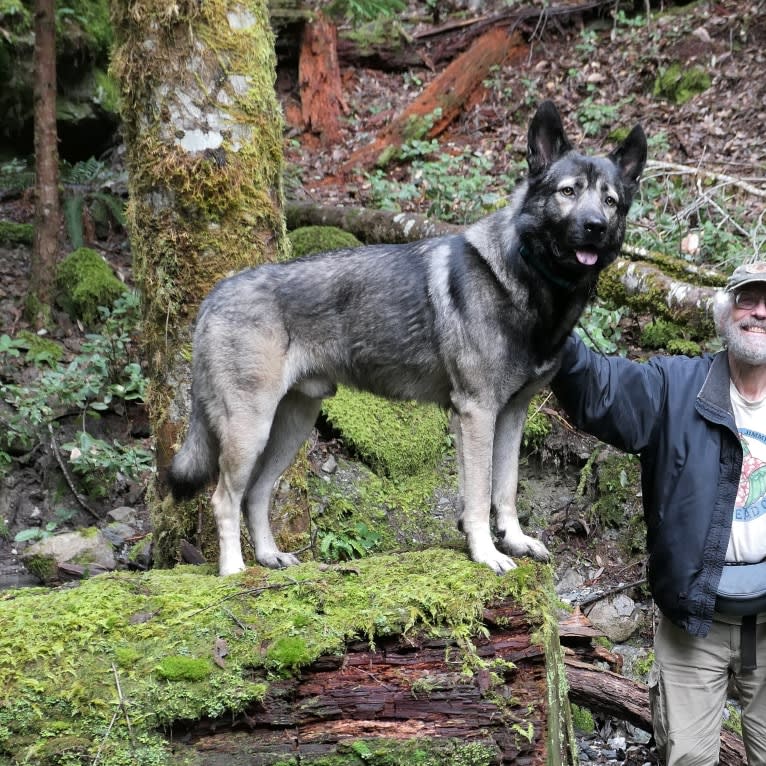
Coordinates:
444 98
404 688
627 700
319 78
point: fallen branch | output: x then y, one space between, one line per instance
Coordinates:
722 178
626 700
443 99
70 483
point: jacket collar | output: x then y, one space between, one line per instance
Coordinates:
713 399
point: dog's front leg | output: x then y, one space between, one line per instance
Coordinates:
505 478
474 442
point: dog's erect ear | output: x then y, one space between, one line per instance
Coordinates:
630 158
546 140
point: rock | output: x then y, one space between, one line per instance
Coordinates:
124 514
617 617
86 548
118 533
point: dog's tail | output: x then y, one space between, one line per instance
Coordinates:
195 464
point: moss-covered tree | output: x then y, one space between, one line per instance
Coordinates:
203 132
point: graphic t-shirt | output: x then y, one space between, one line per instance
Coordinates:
748 530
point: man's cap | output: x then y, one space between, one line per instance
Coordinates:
746 274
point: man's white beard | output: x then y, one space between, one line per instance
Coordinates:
743 346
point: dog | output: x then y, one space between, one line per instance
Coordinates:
474 322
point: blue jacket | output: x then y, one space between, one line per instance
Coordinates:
675 413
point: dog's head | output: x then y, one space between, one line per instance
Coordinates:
575 208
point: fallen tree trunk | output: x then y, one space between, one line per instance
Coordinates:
369 226
435 46
443 99
627 700
641 284
404 693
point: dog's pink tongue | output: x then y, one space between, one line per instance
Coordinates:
586 257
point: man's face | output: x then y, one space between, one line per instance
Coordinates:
745 329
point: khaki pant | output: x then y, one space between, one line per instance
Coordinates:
687 688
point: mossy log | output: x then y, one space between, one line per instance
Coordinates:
417 659
409 691
660 285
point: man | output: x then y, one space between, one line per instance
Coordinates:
699 427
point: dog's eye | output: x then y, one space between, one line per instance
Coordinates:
610 201
568 191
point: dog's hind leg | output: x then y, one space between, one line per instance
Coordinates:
474 443
294 419
505 479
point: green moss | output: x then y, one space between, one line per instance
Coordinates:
642 665
106 92
42 567
537 425
395 439
39 348
180 668
659 332
582 719
651 297
732 719
679 83
317 239
618 486
290 652
408 752
61 650
16 233
84 281
684 347
362 512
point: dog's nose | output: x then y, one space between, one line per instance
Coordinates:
595 227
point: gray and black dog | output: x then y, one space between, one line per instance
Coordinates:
474 322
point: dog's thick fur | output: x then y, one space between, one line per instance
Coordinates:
474 322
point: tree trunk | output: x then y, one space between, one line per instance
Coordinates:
203 134
319 79
45 249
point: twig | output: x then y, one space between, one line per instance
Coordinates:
618 589
253 591
722 177
60 460
123 706
121 709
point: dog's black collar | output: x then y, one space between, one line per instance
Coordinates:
541 268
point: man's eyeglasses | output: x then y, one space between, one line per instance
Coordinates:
747 300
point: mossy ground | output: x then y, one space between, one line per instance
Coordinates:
84 281
64 653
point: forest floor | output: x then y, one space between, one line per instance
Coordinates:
601 73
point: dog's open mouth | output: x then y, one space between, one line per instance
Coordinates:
586 257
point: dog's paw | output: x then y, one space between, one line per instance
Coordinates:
277 559
527 546
232 565
494 559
